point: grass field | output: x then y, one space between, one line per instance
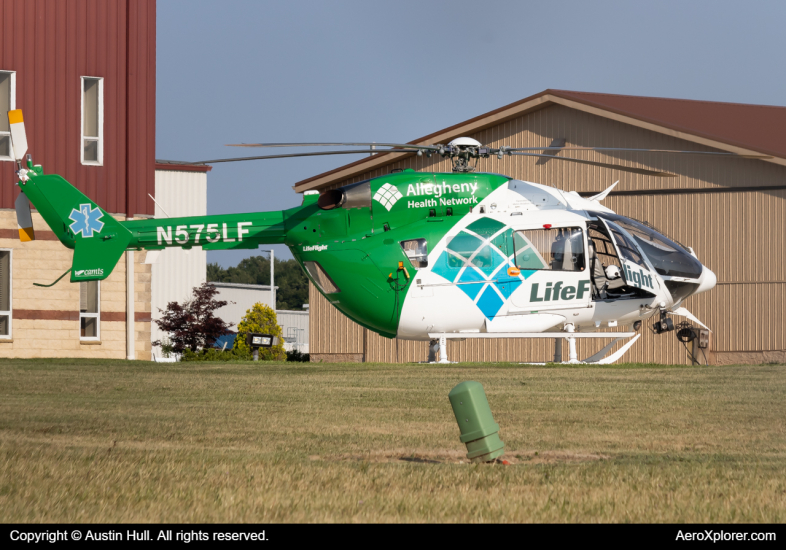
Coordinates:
117 441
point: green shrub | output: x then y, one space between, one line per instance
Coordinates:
166 347
261 319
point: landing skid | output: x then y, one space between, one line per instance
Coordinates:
597 359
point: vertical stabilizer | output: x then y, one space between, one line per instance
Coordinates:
97 238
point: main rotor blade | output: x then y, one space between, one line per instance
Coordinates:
642 171
356 152
337 144
669 151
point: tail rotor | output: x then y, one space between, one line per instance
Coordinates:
24 218
18 135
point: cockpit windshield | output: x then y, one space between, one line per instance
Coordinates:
667 257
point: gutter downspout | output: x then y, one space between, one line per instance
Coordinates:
130 332
272 279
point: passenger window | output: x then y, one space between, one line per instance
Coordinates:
558 249
463 246
417 252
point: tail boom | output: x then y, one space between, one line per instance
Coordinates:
99 240
218 232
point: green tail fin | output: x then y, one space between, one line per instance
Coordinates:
97 238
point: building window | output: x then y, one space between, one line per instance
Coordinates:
89 310
7 103
92 120
5 295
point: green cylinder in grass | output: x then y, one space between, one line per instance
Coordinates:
478 430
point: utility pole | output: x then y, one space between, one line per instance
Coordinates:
272 278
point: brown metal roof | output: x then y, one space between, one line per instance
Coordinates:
761 128
755 128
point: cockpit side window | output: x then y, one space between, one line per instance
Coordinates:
626 247
667 257
559 249
610 247
604 248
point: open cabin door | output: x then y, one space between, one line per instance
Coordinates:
635 271
553 261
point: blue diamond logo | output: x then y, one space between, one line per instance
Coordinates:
507 288
489 302
474 282
478 265
443 268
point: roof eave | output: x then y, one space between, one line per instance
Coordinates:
667 129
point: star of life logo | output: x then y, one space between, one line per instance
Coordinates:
86 220
387 196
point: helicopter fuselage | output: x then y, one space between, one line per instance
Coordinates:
414 253
486 253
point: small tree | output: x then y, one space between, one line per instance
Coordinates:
262 319
193 325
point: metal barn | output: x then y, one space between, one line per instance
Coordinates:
732 212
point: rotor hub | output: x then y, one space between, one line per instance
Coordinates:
461 151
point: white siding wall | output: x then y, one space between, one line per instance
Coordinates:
291 320
176 272
244 298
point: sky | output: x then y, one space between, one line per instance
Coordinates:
234 71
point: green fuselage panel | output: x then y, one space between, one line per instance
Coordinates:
360 250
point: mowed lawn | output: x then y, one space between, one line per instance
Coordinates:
118 441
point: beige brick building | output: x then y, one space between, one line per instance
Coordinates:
89 99
47 322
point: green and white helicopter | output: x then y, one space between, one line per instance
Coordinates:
421 255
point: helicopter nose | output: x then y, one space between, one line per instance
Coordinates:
706 281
